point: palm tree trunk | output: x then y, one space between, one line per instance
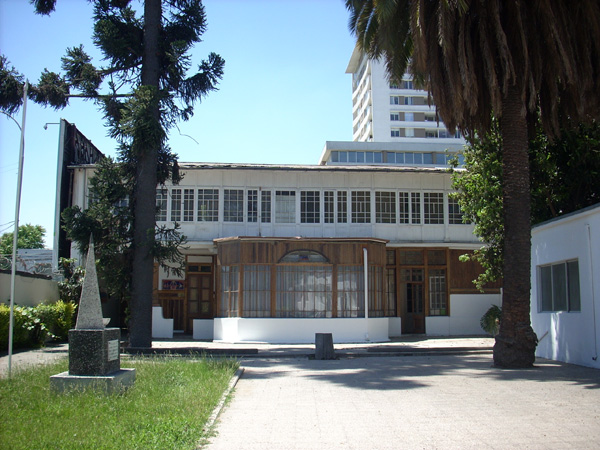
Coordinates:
140 323
516 342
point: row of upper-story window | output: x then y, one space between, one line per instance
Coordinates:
424 133
396 158
180 204
405 84
418 100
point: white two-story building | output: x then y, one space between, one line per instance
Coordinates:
365 244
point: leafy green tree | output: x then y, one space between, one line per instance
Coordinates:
69 290
565 177
147 91
507 59
28 236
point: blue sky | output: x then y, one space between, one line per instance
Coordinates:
284 91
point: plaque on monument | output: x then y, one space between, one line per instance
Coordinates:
113 350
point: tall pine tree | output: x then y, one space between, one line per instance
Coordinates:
147 91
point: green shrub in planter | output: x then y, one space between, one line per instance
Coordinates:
57 317
490 321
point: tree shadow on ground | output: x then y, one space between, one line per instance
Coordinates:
413 372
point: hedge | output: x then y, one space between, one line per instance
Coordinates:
33 326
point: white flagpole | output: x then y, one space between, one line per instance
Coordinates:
16 231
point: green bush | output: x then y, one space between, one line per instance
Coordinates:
29 331
490 321
57 317
34 325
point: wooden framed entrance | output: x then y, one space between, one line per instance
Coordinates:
193 297
420 275
200 295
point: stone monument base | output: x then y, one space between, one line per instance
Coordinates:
94 351
111 383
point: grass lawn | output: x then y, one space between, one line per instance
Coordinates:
167 408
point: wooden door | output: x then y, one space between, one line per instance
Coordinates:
200 304
413 294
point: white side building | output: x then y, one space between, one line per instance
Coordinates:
565 287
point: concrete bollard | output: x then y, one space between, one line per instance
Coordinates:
324 346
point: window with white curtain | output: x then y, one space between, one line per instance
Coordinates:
351 291
230 290
304 290
257 291
285 206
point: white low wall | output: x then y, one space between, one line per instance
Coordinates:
203 329
395 327
161 327
30 290
288 330
465 314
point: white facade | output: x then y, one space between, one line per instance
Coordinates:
565 289
419 229
407 208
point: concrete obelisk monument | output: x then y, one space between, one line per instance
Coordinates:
94 357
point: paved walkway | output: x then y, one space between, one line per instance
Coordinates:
415 393
410 402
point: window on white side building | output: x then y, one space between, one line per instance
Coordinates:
395 100
285 206
161 205
394 116
233 205
403 211
361 207
176 205
252 200
208 205
455 214
310 207
433 208
342 207
265 206
385 207
415 207
328 204
395 132
558 287
188 205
